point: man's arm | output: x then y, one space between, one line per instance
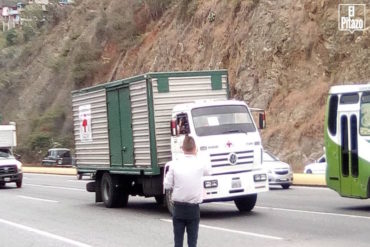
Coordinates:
206 166
168 177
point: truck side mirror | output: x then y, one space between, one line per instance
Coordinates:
262 120
173 127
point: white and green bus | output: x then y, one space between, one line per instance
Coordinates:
347 140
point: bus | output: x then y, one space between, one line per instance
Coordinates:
347 140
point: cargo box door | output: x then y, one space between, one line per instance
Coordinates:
120 127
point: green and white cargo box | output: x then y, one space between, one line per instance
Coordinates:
124 126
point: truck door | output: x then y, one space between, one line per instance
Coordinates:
120 127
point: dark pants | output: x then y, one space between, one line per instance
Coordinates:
185 215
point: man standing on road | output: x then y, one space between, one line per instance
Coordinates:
184 177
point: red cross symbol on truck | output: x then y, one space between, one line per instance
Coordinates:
84 122
229 144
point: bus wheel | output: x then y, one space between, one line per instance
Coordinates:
109 191
309 171
246 203
169 202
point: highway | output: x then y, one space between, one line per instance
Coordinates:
55 210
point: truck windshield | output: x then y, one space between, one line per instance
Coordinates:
218 120
5 153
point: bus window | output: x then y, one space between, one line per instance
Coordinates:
332 119
349 98
344 146
365 114
354 150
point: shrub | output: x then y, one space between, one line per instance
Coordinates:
11 37
40 141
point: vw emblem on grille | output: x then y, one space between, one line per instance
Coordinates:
6 169
233 159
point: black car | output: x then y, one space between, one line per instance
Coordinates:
58 156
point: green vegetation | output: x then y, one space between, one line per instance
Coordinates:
45 134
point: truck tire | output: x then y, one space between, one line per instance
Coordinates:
285 186
160 200
19 183
246 203
109 191
169 202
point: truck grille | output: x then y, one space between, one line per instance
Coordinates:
8 169
223 159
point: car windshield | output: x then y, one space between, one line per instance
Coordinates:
269 157
5 153
218 120
63 153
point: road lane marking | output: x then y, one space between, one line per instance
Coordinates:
79 181
45 234
38 199
301 211
233 231
314 212
47 175
55 187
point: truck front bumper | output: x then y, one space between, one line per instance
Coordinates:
232 186
13 177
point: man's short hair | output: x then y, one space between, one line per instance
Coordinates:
189 144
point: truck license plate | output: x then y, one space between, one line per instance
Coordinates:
236 183
7 179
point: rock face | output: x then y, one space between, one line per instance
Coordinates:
282 56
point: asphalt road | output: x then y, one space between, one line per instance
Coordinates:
54 210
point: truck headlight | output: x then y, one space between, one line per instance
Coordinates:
210 184
260 177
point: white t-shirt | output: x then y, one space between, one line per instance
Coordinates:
185 178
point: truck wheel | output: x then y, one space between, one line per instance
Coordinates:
169 202
246 203
160 200
109 191
19 183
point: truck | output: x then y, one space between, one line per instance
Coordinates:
127 130
10 167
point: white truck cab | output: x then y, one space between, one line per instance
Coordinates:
226 135
10 167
